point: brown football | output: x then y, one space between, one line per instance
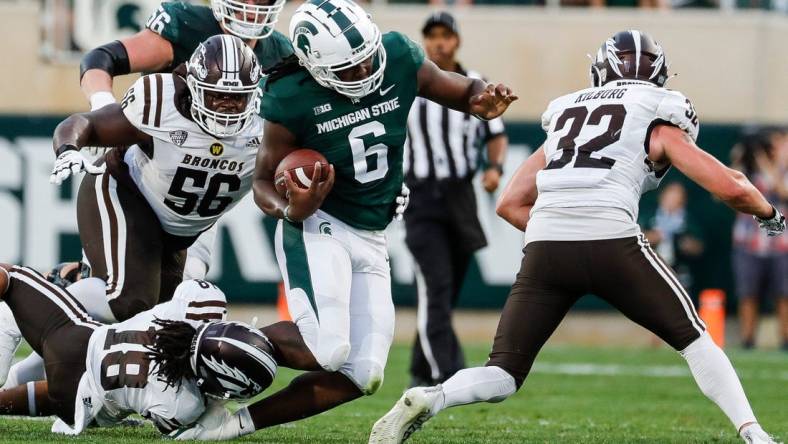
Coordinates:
301 164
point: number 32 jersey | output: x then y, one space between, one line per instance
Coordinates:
597 159
188 177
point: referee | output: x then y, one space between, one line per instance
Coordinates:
443 231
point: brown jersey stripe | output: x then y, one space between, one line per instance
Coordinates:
196 304
146 94
204 316
159 87
113 235
76 308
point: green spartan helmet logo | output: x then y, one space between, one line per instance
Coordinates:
325 228
302 40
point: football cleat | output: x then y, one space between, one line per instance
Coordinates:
754 434
10 336
407 416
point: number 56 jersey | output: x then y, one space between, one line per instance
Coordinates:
188 177
597 162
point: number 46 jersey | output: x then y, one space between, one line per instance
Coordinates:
188 177
597 159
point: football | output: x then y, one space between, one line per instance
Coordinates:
301 164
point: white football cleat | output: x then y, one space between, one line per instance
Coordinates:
754 434
10 336
407 416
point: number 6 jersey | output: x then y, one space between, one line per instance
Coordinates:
597 159
188 177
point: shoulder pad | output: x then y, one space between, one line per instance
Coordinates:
146 100
675 108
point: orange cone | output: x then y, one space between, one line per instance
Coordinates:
281 304
712 311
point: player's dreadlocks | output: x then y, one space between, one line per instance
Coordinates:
171 351
288 65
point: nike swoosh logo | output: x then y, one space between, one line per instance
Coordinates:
240 423
383 92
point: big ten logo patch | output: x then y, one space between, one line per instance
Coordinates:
217 149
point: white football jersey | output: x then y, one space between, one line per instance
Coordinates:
121 380
188 177
597 159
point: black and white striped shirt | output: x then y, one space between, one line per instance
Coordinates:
443 143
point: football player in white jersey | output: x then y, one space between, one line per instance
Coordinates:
189 143
577 198
163 364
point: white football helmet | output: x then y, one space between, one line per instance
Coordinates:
329 36
247 19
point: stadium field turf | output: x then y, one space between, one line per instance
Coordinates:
574 395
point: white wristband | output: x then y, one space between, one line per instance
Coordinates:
101 99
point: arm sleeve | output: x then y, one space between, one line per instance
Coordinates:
676 109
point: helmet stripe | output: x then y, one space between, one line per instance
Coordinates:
636 40
346 27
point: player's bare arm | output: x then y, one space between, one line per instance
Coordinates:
474 96
515 203
496 154
144 51
673 145
278 142
106 126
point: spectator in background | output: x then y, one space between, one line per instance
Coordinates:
760 263
442 228
676 237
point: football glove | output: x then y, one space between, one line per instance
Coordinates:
72 162
402 202
773 226
217 424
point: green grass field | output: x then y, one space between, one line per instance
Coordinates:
574 395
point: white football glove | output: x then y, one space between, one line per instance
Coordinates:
774 226
72 162
217 424
402 202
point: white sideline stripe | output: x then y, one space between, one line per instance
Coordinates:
421 323
653 371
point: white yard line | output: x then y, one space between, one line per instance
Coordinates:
654 371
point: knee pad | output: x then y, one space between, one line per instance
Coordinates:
366 374
332 355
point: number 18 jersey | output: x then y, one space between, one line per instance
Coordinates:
597 159
188 177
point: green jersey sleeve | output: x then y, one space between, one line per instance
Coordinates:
403 51
184 25
272 50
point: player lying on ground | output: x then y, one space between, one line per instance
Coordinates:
171 35
346 95
162 364
189 141
577 198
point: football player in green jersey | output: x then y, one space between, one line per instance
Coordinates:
346 95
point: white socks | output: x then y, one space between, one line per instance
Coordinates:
478 384
25 371
92 294
717 379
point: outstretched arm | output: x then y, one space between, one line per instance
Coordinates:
107 126
144 51
672 144
517 199
474 96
